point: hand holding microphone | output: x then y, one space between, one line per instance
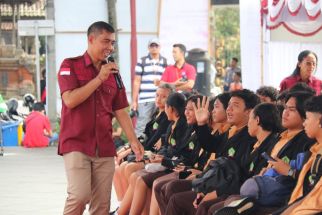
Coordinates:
117 76
107 69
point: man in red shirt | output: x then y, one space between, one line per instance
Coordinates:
181 75
92 93
38 129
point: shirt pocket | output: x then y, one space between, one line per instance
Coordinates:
107 96
83 79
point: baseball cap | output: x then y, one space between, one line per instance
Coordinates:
154 41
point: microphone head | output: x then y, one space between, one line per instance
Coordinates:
110 59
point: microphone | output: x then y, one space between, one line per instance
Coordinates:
117 76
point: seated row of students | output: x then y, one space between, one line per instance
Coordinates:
189 142
283 149
154 129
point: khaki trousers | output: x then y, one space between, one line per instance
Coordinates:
89 181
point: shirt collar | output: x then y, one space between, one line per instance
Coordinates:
150 57
298 78
87 59
183 65
287 134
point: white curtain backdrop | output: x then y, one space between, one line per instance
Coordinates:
250 43
183 21
281 59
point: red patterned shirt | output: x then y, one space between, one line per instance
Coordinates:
87 128
290 81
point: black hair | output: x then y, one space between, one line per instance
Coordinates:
194 99
211 103
300 58
181 47
167 87
269 117
43 73
38 106
238 74
235 59
98 27
187 94
268 91
250 98
314 104
300 98
301 86
282 95
177 101
224 99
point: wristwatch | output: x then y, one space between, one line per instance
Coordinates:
291 172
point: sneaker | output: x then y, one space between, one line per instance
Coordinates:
243 206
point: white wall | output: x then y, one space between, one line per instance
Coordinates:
72 18
186 22
281 59
146 27
250 43
182 21
280 49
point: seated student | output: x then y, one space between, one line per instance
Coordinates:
184 153
38 130
118 135
216 132
306 197
265 124
236 146
153 132
174 109
267 94
273 186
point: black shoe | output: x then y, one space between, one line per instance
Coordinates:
243 206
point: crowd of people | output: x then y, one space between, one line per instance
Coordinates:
238 152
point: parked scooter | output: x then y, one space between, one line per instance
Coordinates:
9 112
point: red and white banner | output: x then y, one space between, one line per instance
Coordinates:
301 17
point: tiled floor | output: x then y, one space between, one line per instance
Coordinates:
33 182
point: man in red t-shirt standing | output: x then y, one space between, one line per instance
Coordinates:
181 75
92 93
38 129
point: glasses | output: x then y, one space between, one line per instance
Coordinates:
153 45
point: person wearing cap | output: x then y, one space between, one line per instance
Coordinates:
148 72
181 75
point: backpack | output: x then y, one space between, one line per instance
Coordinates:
222 173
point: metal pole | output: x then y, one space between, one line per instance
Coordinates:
111 8
133 40
37 61
51 78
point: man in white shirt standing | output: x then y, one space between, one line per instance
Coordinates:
148 72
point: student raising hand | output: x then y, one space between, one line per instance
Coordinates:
202 111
